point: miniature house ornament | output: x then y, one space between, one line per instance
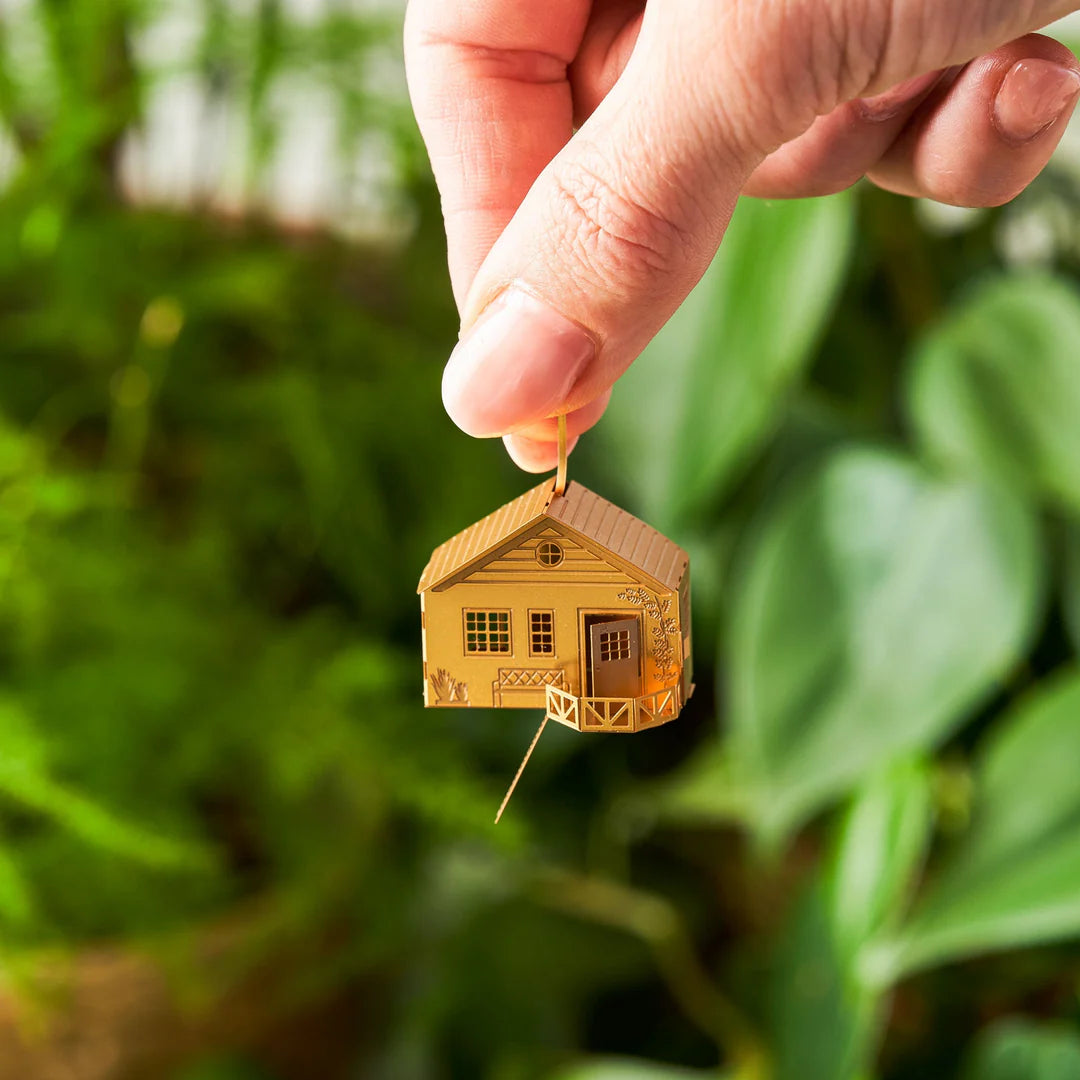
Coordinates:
563 602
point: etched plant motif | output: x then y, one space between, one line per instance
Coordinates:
662 629
448 690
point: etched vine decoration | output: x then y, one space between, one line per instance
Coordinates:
663 628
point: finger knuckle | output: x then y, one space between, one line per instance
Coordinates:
610 228
858 45
795 62
886 41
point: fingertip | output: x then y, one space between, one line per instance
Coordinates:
536 447
1035 95
983 138
532 455
516 364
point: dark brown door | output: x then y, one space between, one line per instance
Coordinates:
615 649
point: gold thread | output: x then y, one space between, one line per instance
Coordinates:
560 476
521 768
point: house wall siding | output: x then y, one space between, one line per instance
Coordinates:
445 645
480 671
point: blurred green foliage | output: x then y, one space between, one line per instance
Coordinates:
223 462
1013 1050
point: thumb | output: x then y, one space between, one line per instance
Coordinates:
607 243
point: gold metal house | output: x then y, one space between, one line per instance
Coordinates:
561 602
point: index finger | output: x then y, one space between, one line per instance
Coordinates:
488 82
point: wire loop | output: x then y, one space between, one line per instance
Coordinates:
560 476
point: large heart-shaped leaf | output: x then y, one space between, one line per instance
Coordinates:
997 386
710 386
1015 878
877 607
1020 1050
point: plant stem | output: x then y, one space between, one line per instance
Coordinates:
657 923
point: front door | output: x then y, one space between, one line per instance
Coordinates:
615 658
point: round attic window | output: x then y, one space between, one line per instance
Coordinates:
549 553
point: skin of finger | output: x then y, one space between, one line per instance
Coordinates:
913 37
952 152
836 152
605 50
577 422
534 457
536 447
488 83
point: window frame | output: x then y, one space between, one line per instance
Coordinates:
541 612
616 646
548 546
487 613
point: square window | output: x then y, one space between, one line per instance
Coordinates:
487 631
614 645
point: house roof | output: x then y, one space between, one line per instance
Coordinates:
627 538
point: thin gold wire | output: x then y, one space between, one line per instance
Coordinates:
560 476
560 488
521 768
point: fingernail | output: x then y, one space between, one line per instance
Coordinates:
887 105
517 364
1033 97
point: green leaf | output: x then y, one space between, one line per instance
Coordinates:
708 789
224 1068
628 1069
97 825
1016 1049
878 606
879 850
1071 597
996 387
825 1018
25 779
17 905
1015 877
822 1022
710 387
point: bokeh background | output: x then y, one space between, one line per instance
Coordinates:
232 844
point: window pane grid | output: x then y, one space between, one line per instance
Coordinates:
614 645
541 633
487 631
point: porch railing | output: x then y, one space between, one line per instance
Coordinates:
613 714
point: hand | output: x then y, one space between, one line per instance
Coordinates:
570 250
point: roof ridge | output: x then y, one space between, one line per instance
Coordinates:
578 509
